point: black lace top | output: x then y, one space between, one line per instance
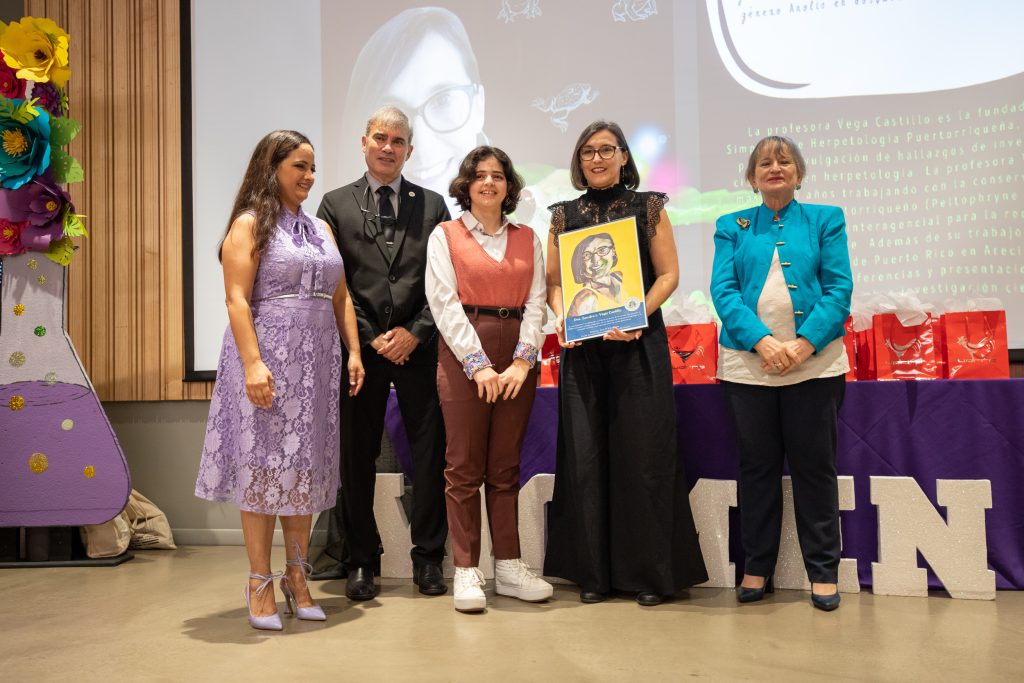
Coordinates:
601 206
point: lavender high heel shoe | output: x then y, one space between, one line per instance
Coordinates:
267 623
314 613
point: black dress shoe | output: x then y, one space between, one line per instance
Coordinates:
330 573
825 602
360 584
754 594
647 599
591 597
430 579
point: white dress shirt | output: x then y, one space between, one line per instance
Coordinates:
443 295
396 188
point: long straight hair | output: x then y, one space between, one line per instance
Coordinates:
260 193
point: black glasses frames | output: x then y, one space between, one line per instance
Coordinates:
604 151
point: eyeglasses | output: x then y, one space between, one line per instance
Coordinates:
604 151
599 252
448 109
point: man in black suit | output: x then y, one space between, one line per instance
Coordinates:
382 223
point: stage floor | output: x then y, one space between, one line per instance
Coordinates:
179 615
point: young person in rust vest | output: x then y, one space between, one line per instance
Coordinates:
485 286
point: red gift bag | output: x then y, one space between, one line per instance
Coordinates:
864 342
550 355
904 352
694 353
975 345
850 342
940 347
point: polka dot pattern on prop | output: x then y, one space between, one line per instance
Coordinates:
38 463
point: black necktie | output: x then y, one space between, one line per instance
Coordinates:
386 213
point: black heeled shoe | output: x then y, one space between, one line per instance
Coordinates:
592 597
826 603
754 594
648 599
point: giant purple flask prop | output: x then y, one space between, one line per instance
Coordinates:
60 463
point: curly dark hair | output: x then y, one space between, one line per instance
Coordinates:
630 175
459 188
259 193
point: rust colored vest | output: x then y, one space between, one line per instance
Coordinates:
482 281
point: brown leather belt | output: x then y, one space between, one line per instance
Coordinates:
502 312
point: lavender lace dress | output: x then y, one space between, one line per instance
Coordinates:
282 460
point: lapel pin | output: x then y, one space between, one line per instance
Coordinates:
411 193
743 223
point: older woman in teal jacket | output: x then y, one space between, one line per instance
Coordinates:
781 284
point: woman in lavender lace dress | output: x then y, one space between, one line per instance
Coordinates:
272 437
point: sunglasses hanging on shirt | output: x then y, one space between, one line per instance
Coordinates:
382 220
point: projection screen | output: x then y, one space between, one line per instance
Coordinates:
909 113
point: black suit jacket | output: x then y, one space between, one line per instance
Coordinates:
387 285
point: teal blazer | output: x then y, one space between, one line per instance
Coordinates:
811 239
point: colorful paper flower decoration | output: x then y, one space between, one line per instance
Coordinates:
37 49
10 84
39 201
24 142
47 96
10 238
36 211
47 209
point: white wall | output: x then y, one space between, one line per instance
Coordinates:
162 441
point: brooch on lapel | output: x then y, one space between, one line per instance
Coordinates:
743 223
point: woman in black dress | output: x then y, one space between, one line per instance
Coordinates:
620 518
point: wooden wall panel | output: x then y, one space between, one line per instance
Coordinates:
125 284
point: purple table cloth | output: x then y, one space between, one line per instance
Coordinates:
928 430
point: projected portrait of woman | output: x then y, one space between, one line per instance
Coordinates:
422 62
593 261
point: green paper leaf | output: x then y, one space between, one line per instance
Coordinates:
66 168
73 226
63 130
23 113
61 251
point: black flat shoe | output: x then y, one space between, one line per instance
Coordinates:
331 573
360 585
648 599
754 594
430 579
591 597
825 602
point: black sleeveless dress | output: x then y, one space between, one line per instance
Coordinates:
620 518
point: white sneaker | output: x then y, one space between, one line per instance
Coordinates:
515 579
469 594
